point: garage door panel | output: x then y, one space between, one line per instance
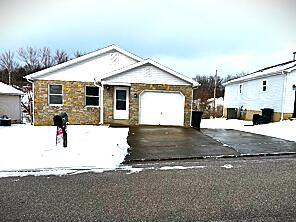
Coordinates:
162 108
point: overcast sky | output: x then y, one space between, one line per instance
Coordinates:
189 36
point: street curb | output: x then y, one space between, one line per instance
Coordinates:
210 157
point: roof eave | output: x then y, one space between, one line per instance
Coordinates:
80 59
242 79
144 62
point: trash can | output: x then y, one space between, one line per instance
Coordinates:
195 119
5 121
267 114
256 118
231 113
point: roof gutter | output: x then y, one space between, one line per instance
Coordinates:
242 79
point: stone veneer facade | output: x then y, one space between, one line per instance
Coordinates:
74 103
136 89
78 113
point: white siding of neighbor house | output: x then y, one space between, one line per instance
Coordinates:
290 93
87 70
141 75
10 106
231 99
253 97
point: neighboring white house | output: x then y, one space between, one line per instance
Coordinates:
10 102
272 87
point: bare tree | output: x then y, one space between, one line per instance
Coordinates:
78 53
231 77
27 103
46 59
7 63
60 56
30 56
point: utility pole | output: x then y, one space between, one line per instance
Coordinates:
215 87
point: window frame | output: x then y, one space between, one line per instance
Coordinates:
85 96
264 86
50 94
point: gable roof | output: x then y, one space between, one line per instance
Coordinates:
268 71
81 59
9 90
145 62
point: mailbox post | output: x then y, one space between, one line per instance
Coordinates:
61 121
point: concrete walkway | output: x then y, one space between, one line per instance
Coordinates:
161 143
169 143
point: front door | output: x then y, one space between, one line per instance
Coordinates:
121 104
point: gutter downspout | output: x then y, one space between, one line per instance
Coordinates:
101 102
193 87
33 101
284 93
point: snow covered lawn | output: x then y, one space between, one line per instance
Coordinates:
283 130
26 147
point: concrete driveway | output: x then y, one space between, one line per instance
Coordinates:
162 143
250 143
169 143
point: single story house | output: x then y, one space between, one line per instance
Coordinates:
272 87
10 103
112 86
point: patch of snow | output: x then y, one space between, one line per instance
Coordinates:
218 101
27 147
227 166
284 129
7 89
131 169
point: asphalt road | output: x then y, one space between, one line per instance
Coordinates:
262 189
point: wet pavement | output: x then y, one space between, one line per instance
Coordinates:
163 143
249 143
168 143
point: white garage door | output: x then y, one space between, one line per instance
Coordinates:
161 108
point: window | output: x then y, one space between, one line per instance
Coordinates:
240 88
92 96
55 94
120 99
264 85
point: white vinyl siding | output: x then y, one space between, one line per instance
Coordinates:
92 95
253 97
147 74
55 94
87 70
290 92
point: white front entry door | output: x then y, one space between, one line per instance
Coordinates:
121 103
162 108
